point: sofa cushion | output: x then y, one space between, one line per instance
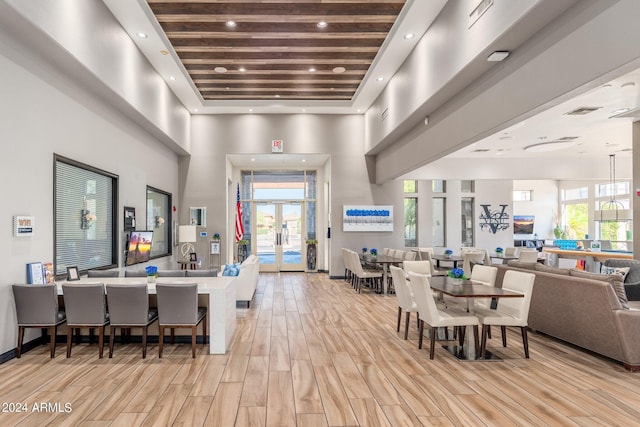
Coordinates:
616 280
611 270
231 270
549 269
519 264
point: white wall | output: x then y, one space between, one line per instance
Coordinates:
543 206
37 120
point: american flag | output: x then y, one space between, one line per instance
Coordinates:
239 224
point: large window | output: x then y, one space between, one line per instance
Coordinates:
85 231
159 220
410 213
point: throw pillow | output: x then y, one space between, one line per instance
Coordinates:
612 270
231 270
615 279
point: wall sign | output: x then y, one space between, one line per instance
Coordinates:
24 226
367 218
494 220
277 145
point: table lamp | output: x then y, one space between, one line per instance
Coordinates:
187 236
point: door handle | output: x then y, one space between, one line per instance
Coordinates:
278 239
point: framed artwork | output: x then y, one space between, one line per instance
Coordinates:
129 218
193 257
367 218
72 273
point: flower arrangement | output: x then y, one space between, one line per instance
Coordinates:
364 250
456 273
374 251
151 270
216 236
448 252
499 250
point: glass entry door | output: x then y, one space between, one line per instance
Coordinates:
279 231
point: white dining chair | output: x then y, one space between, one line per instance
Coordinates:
511 311
528 255
485 275
404 295
435 318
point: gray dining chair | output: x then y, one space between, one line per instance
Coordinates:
202 273
178 308
37 307
135 273
85 305
103 273
171 273
129 308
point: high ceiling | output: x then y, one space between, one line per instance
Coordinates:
255 50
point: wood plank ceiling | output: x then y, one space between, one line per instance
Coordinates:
260 50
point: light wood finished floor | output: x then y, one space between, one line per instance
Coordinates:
311 352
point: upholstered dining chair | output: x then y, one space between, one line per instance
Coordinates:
510 311
86 307
172 273
37 307
178 308
471 258
420 267
510 252
435 318
362 275
404 296
129 308
135 273
486 275
528 255
103 273
202 273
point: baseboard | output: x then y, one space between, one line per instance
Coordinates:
11 354
336 277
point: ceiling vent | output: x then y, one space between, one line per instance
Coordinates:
567 138
481 150
582 111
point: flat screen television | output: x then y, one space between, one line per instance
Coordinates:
523 224
139 247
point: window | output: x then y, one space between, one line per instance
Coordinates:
467 221
576 220
159 220
523 195
410 213
611 189
439 186
439 225
467 186
85 220
574 193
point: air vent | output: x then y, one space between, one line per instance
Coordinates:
481 150
567 138
582 111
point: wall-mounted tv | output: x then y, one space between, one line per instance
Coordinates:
523 224
139 247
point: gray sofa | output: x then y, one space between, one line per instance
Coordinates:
568 305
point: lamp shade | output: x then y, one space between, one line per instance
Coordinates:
187 233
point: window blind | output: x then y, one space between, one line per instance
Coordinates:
84 217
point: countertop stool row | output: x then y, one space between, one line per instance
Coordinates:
128 307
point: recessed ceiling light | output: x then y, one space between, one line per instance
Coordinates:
172 78
304 110
359 110
607 86
312 70
220 70
227 88
277 96
251 110
195 110
380 79
322 24
164 52
339 70
304 160
409 36
498 55
253 160
231 24
142 35
242 69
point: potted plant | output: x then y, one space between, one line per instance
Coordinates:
499 251
374 253
216 236
152 273
448 253
456 276
311 254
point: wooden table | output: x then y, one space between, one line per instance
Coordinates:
220 293
591 258
455 259
469 290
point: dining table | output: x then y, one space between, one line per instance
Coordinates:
469 290
454 259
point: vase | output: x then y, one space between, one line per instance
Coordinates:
151 279
454 281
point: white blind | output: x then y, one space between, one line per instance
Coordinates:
84 232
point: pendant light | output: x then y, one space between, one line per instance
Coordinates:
612 205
